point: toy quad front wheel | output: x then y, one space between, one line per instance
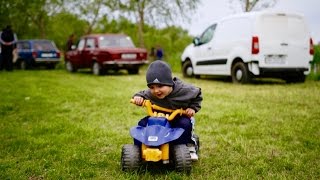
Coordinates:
181 158
130 157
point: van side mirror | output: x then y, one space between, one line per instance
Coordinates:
196 41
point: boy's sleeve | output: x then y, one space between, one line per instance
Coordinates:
143 94
196 101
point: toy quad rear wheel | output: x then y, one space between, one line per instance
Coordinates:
130 157
181 158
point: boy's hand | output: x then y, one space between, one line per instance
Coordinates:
190 112
138 100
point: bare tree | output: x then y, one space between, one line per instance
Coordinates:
252 5
157 12
91 10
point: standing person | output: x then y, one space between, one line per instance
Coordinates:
8 44
152 53
70 42
159 53
171 93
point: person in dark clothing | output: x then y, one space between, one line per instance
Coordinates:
152 53
159 53
171 93
70 42
8 44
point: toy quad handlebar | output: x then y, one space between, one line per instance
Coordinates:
151 107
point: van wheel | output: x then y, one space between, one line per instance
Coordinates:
187 69
240 73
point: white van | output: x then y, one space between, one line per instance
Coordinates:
254 44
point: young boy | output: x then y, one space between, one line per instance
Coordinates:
171 93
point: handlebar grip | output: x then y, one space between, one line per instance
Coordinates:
150 107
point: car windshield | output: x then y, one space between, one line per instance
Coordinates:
43 46
115 41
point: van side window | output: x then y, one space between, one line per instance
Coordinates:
233 29
207 35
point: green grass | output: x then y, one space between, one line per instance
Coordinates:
57 125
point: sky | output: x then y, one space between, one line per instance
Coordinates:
212 10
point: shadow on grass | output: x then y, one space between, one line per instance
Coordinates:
35 68
107 73
157 168
255 81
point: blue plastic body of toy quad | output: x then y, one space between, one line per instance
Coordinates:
157 132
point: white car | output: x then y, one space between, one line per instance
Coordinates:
254 44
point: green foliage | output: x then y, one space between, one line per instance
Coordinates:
157 12
49 19
315 75
58 125
63 25
315 68
316 57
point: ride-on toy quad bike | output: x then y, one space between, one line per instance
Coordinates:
155 140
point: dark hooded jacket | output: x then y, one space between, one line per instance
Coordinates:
182 96
7 35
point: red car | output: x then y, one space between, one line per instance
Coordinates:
103 52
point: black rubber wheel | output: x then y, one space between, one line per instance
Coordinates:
133 71
97 69
130 157
181 158
187 69
240 73
70 67
23 65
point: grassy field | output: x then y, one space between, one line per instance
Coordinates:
57 125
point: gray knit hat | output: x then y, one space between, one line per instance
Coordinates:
159 72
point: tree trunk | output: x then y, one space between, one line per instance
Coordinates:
247 6
42 29
140 25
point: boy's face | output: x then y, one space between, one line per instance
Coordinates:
160 91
